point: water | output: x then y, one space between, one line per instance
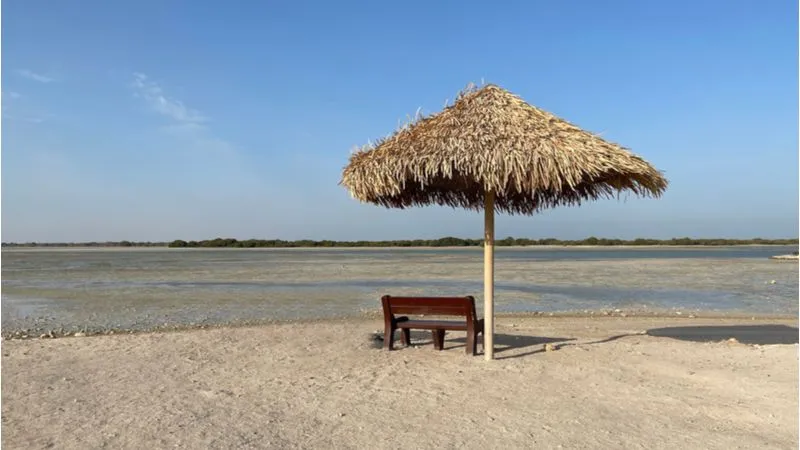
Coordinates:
151 288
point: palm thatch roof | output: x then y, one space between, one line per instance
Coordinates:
490 139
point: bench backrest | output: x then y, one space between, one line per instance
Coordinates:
442 306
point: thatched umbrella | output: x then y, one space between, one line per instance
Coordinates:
490 150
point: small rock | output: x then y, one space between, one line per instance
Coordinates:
44 336
80 334
692 316
678 313
549 348
341 414
733 340
617 311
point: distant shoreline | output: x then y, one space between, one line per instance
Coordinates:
448 242
391 248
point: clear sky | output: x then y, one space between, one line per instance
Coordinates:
161 120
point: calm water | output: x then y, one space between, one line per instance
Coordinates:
143 289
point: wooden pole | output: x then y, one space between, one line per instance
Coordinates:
488 277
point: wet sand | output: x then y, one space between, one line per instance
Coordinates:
610 382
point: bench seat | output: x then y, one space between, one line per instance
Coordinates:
434 324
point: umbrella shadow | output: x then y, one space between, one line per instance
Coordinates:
745 334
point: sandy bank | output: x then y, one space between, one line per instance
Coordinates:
326 385
786 257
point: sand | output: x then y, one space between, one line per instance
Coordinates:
324 384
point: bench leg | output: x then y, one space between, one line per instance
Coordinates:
438 339
406 336
471 341
388 338
479 330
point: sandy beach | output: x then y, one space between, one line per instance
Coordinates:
607 383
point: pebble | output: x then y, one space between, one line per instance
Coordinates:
733 340
44 336
549 348
80 334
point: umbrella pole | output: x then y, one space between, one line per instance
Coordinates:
488 276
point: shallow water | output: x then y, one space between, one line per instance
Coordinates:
149 288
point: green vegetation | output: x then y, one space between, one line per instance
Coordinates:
458 242
442 242
86 244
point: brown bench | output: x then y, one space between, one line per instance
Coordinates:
435 306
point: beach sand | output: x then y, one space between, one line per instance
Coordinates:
325 384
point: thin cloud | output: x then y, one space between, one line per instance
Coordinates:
35 76
11 103
185 123
174 109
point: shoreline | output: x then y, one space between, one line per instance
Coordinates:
619 315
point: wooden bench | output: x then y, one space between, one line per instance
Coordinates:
435 306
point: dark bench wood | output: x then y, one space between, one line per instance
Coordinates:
393 307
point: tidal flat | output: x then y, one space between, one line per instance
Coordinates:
63 291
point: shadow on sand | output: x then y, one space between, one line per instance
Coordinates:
502 343
745 334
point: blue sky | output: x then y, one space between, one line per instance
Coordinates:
160 120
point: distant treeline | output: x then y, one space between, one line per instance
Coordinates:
442 242
86 244
458 242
